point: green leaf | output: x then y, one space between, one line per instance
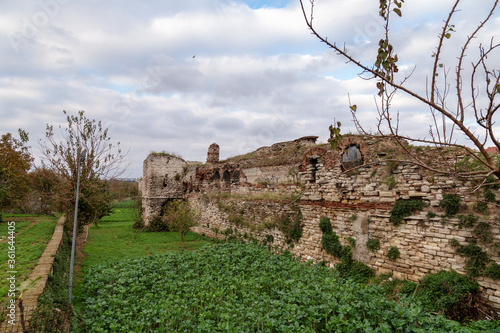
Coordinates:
440 65
354 107
447 35
498 88
397 11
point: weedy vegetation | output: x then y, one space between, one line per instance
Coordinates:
240 288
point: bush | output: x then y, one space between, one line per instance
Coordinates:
407 287
159 224
446 291
354 270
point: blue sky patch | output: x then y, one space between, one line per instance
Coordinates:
256 4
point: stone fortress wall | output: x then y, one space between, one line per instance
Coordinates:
250 196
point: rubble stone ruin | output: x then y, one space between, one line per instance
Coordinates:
213 153
265 194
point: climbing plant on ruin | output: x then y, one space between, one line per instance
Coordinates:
461 90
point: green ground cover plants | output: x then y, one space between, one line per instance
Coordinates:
240 288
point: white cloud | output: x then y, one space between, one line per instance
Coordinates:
182 75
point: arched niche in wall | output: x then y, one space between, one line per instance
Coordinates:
215 177
351 157
226 177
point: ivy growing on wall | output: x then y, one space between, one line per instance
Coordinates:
373 244
290 224
404 208
393 253
477 259
450 203
347 267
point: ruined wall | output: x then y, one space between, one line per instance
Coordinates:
355 187
162 180
255 220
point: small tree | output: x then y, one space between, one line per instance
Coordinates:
104 160
180 217
456 97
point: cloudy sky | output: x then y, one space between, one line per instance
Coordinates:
176 76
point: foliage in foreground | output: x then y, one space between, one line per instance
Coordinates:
240 288
446 291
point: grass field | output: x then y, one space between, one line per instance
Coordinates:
33 232
115 239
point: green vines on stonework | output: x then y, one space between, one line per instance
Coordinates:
291 226
390 181
478 262
450 203
493 271
347 268
393 253
404 208
477 259
483 233
489 196
373 244
467 221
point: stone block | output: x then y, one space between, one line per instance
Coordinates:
417 194
494 299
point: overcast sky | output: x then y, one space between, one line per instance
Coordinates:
176 76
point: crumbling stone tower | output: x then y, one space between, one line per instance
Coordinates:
213 153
